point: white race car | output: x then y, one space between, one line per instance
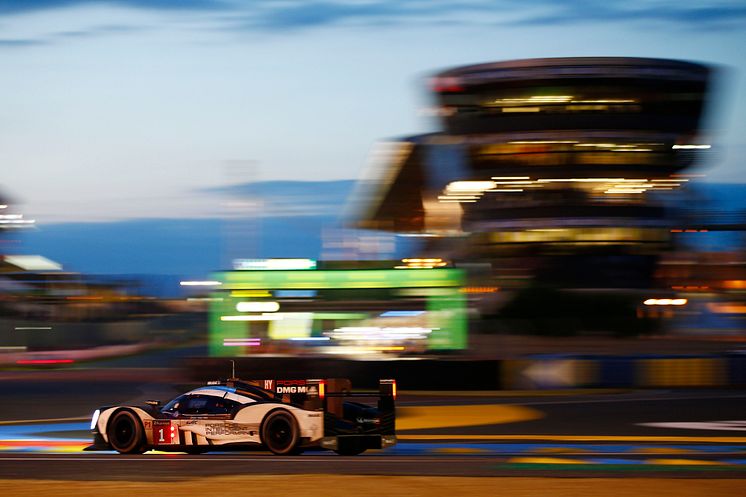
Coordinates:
285 416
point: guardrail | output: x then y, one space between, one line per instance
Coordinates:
641 371
534 372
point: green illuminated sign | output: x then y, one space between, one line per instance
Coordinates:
446 305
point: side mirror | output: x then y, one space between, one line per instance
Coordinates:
154 403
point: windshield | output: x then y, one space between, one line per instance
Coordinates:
174 404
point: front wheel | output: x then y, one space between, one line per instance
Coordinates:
280 433
126 434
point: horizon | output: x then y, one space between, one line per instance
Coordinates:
195 247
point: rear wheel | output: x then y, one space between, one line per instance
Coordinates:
125 433
280 433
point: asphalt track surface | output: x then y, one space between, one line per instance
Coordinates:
42 431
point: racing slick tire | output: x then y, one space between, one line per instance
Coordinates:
280 433
125 432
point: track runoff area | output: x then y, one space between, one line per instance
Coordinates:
693 433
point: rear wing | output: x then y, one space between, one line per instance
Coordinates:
380 423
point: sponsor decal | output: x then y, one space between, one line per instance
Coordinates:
269 384
291 386
292 389
148 424
374 421
312 390
217 429
164 432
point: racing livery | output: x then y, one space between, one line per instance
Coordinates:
285 416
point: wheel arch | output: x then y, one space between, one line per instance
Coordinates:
106 416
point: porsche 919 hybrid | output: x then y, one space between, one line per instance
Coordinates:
284 416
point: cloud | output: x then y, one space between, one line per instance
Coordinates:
27 6
23 6
314 14
298 15
676 13
11 9
57 36
20 43
295 15
319 14
94 31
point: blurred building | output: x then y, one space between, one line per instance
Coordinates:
551 170
11 220
36 293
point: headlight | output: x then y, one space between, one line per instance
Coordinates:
94 419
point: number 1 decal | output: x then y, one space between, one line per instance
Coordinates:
164 432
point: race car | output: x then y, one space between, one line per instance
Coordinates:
285 416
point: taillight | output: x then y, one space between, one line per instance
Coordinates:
322 389
388 388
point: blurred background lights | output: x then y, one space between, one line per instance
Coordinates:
200 283
257 306
665 302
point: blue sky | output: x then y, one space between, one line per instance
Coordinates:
145 108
